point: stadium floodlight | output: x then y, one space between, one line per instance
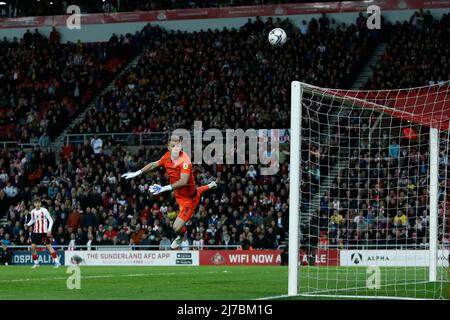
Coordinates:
369 201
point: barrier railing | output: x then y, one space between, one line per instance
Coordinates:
126 247
15 144
158 138
412 246
231 247
126 138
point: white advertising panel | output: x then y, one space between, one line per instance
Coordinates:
132 258
391 258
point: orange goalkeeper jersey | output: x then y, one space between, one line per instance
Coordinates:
175 169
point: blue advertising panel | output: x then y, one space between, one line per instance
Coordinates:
44 258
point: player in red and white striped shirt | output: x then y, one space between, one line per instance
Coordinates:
42 232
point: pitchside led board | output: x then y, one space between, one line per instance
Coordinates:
132 258
391 258
24 258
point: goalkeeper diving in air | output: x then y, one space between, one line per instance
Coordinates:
179 168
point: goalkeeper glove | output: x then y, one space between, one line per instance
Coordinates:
131 175
157 189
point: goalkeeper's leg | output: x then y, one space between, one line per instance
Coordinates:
180 229
187 209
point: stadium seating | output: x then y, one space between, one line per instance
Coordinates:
417 55
44 84
87 185
206 76
368 198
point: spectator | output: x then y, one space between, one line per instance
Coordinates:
304 27
361 22
111 233
105 241
72 242
227 242
44 141
198 243
251 173
260 242
81 237
100 232
337 218
146 241
164 244
28 38
6 257
97 145
91 243
54 36
6 240
11 190
394 150
107 7
89 218
137 235
185 244
400 219
74 219
244 243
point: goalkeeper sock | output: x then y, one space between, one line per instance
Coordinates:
182 231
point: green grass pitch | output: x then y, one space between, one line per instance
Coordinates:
211 282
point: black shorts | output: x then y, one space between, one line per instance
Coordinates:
39 239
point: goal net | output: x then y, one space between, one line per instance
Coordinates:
369 201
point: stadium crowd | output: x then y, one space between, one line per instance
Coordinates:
380 197
182 77
224 87
91 205
44 84
417 54
37 172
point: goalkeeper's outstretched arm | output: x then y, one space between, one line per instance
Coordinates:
156 188
149 167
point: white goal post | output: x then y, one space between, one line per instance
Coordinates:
294 186
368 198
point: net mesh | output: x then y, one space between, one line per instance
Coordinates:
365 192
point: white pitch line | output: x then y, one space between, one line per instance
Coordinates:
319 293
276 297
362 288
110 276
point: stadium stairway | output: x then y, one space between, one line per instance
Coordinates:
60 141
367 71
340 163
325 185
